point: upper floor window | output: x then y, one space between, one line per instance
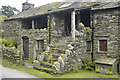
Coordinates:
102 45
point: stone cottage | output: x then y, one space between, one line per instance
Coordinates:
59 36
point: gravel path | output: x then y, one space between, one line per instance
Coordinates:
12 73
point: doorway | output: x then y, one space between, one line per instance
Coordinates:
85 17
25 47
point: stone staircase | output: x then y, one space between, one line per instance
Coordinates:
47 64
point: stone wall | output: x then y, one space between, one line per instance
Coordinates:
57 29
71 53
11 28
72 57
11 54
34 35
106 28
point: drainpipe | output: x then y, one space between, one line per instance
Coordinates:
50 28
118 67
92 55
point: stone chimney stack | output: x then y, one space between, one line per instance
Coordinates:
26 6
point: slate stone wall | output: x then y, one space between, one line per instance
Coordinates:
83 34
11 28
106 28
34 35
78 53
11 54
58 40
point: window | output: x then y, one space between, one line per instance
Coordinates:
66 4
89 46
26 24
102 45
40 44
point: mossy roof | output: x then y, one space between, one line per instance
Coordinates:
106 5
105 60
55 7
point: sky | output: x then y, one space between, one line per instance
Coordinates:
18 3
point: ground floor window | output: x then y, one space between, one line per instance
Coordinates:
40 44
102 45
89 46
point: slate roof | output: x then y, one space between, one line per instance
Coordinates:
55 7
105 60
107 5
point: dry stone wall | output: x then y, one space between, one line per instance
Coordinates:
34 35
70 54
106 28
11 54
11 28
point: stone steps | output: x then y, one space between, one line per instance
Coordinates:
50 60
47 64
57 50
45 69
56 55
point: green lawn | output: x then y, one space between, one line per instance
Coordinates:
80 74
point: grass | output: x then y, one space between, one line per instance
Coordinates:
31 71
87 74
79 74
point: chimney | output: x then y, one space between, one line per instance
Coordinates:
26 6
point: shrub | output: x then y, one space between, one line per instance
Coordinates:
88 64
2 40
75 69
10 42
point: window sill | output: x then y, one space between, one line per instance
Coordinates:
102 52
88 52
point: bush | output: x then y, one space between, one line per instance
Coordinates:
75 69
2 40
88 64
10 42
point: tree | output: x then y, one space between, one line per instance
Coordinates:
2 18
9 11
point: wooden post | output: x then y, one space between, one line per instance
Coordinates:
21 56
33 24
78 18
73 25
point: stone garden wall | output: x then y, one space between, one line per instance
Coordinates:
106 28
11 54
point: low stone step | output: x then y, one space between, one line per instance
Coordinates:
50 60
47 70
28 64
57 50
47 64
56 55
67 39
